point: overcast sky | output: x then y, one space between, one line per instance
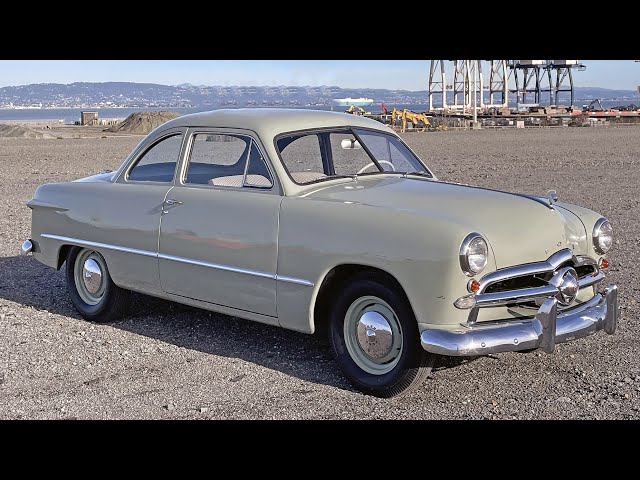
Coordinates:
391 74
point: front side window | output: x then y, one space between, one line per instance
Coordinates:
315 156
158 163
347 157
226 161
391 153
302 156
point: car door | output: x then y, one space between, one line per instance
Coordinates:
135 204
219 229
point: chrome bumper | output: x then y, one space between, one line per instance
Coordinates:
543 331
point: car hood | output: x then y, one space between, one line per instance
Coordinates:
519 229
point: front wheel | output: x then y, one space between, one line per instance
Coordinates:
91 289
375 338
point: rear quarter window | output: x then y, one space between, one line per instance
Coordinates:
158 163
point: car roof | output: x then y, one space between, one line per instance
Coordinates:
269 122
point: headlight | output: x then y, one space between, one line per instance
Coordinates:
473 254
602 236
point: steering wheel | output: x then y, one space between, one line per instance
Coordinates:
372 164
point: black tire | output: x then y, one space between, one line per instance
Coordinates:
413 363
113 301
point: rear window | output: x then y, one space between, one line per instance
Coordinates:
220 160
158 163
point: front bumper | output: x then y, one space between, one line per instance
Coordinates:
543 331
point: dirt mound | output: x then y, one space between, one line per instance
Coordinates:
21 131
141 123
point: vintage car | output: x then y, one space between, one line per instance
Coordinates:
307 219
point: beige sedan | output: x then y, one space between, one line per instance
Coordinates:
303 218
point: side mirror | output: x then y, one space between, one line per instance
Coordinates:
348 144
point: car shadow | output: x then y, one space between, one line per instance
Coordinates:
25 281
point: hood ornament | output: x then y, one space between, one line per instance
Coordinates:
552 196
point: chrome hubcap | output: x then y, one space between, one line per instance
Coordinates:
374 335
89 274
92 276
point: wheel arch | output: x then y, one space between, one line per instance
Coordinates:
334 279
63 254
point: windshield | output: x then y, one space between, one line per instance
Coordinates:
327 154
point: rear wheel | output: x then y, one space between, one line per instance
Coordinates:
91 289
375 338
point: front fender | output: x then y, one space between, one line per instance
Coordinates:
421 253
588 219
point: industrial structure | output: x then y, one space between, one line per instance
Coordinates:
467 78
484 84
89 118
503 93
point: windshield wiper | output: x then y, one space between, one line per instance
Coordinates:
334 177
392 172
420 174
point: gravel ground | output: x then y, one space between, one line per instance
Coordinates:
169 361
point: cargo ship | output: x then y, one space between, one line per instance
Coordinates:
348 102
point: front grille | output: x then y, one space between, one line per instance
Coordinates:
521 288
584 270
516 284
537 280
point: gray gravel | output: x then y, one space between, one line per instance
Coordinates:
169 361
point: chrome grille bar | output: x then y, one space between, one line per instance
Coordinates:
548 266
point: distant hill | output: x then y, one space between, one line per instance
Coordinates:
604 93
141 95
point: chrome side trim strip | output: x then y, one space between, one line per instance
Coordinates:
297 281
86 243
107 246
215 266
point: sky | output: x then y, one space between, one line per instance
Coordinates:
391 74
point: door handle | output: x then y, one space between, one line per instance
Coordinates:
170 202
